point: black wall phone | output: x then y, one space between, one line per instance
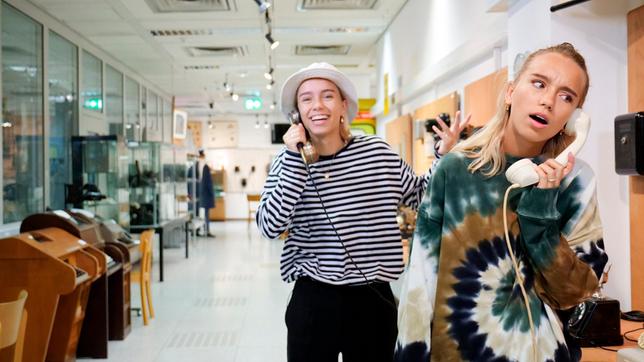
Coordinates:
308 152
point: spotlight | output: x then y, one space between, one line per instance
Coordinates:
273 105
235 97
269 75
274 43
263 5
269 86
265 124
256 120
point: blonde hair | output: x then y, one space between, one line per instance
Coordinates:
485 145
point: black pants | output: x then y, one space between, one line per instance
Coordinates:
324 320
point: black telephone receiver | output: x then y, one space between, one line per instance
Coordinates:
309 153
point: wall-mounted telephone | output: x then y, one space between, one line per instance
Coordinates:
522 172
308 152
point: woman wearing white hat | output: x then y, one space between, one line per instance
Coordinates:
343 246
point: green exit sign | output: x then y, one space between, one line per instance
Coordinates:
93 103
253 104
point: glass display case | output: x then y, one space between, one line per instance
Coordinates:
192 184
158 183
100 177
181 166
144 181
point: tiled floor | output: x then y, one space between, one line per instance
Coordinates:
225 303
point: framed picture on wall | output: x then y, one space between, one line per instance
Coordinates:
180 124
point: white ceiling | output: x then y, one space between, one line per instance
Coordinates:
126 29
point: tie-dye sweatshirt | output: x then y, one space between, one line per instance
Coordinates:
460 299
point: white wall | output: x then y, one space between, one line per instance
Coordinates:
434 52
431 50
254 149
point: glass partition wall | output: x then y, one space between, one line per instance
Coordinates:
22 116
132 112
84 95
63 106
114 100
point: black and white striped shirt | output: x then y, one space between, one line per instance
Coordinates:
367 183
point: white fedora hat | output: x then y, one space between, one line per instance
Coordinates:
324 71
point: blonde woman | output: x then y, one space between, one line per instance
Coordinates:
461 300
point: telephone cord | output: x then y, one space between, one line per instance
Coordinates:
515 265
367 283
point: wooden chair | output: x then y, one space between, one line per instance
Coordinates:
142 275
13 319
252 199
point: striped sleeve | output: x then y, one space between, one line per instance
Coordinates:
284 185
414 186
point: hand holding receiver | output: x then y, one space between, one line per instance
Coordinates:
306 149
294 137
523 172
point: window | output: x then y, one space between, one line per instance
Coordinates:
144 112
92 87
153 121
114 100
63 98
132 121
167 122
22 116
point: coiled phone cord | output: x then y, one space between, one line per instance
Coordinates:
367 283
516 270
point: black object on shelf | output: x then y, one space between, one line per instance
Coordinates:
91 193
629 144
596 322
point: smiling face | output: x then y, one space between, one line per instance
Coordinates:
542 100
320 104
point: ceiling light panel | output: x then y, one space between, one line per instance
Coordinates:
182 6
338 4
217 51
322 49
183 32
200 67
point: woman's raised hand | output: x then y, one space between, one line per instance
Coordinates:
450 134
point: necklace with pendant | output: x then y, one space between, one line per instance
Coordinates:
327 173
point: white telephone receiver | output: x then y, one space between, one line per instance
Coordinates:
522 172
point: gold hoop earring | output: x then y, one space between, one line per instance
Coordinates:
341 119
508 108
